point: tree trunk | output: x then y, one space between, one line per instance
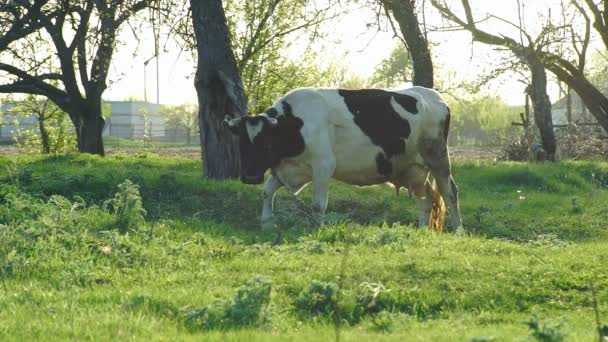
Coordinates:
89 125
542 105
219 88
44 136
417 45
569 106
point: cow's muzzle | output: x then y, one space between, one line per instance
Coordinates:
252 179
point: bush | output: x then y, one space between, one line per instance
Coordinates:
317 299
516 150
578 142
545 332
244 309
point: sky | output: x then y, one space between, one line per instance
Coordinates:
359 47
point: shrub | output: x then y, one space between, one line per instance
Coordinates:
578 142
317 299
242 310
516 150
545 332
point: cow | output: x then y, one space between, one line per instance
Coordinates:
360 137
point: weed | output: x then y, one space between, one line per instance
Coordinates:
545 331
319 298
244 309
127 207
383 322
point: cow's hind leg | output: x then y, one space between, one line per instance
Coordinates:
435 155
270 188
321 173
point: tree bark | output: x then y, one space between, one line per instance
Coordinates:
416 43
90 138
542 105
44 136
219 89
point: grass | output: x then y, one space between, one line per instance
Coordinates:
174 256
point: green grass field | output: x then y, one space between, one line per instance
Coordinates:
173 256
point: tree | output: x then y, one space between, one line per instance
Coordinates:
62 50
527 50
219 89
263 32
600 16
573 74
183 117
394 69
404 12
45 112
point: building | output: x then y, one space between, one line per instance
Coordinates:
127 119
134 119
580 113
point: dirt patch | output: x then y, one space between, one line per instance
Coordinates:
191 152
474 153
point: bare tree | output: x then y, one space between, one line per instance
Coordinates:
62 50
404 12
599 9
528 51
219 88
573 73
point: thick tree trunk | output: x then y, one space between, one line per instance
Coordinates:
542 105
89 124
219 88
417 45
44 137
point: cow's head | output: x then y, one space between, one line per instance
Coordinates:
264 142
256 144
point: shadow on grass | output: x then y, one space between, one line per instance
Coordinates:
174 189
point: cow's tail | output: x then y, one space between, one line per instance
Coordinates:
438 211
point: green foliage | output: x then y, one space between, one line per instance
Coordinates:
244 309
271 55
318 299
53 133
394 70
127 207
482 112
383 322
181 118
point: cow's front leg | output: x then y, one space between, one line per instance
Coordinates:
271 186
321 174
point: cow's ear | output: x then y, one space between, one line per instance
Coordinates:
232 124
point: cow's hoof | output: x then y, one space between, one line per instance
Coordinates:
269 224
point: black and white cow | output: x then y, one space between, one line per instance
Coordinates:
360 137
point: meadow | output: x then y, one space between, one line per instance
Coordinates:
143 247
